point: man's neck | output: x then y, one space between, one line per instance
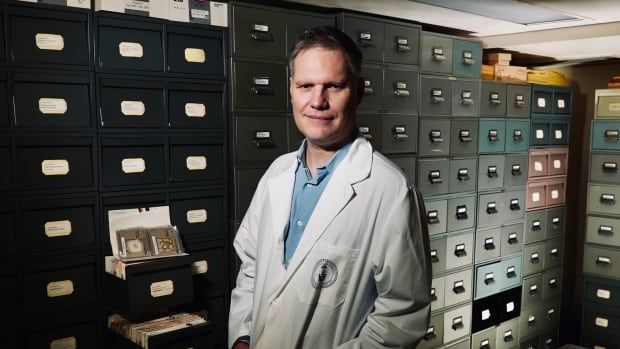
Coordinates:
317 157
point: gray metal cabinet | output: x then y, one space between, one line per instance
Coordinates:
463 137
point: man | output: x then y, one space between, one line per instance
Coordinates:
334 253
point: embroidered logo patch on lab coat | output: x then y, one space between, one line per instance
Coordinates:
324 274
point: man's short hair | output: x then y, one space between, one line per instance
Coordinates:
329 38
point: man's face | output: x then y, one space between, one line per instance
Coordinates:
323 97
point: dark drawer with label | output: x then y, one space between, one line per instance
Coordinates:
6 176
133 161
373 87
260 86
258 32
195 51
82 335
196 159
8 222
367 33
465 97
542 99
196 106
297 24
260 138
210 272
435 95
246 181
602 291
132 103
401 44
199 216
400 90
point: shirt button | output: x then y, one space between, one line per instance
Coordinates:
300 223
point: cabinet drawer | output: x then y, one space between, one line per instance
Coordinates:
401 44
463 175
603 231
131 103
8 297
491 172
535 226
195 51
434 137
199 216
438 286
458 287
485 315
487 279
601 262
463 137
509 304
82 335
514 202
551 314
461 213
532 290
4 95
196 106
258 32
507 334
536 194
491 210
558 132
487 244
515 169
465 97
604 168
400 90
602 291
370 127
459 250
135 161
209 281
436 53
549 339
518 100
511 272
602 199
196 159
517 135
562 101
552 284
457 323
539 134
260 86
492 136
399 134
558 161
542 99
556 191
438 255
533 258
435 95
434 333
538 163
555 222
260 138
436 216
511 239
607 107
432 176
530 321
368 35
600 319
467 58
493 99
373 87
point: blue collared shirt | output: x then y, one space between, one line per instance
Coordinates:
306 194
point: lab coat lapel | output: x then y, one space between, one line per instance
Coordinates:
280 193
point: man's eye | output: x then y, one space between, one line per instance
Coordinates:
335 87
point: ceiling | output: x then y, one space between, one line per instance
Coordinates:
576 30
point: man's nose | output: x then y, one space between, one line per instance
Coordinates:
319 99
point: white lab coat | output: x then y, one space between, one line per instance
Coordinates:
367 237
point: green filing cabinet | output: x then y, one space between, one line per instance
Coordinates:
467 58
605 135
517 136
492 136
436 52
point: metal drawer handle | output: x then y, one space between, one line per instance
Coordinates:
610 166
512 238
612 135
536 225
399 132
554 252
430 333
514 205
435 136
402 45
465 135
534 258
606 230
401 93
516 170
604 261
437 95
489 278
432 217
458 287
555 221
531 321
461 212
491 208
519 101
493 135
435 177
433 295
438 55
261 32
548 342
494 98
466 98
262 90
492 172
368 90
517 135
551 313
489 244
511 272
457 323
508 336
533 290
608 199
459 250
434 256
484 344
365 131
262 140
365 40
553 283
468 58
463 174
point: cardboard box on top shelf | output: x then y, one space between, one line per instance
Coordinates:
614 82
487 72
510 73
498 58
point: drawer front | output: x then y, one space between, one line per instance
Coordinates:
599 319
510 304
511 239
530 322
515 170
39 36
535 226
124 45
463 175
199 217
9 233
436 54
213 281
606 292
194 106
603 231
558 133
484 339
434 137
458 287
514 201
532 290
562 101
465 97
370 127
549 339
6 176
436 216
406 163
605 135
246 181
368 35
604 168
536 195
507 335
438 255
601 262
464 344
556 192
493 99
487 244
195 51
555 222
539 135
52 101
517 135
399 134
260 138
9 294
533 258
551 314
132 164
434 333
400 90
467 58
373 87
260 86
608 107
457 323
602 199
258 32
459 250
492 136
538 163
191 161
463 137
487 279
542 100
432 176
401 44
529 343
438 285
558 162
435 96
511 272
552 284
461 213
491 172
518 101
128 104
491 210
84 335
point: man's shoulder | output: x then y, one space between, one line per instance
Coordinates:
385 171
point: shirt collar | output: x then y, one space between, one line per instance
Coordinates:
326 168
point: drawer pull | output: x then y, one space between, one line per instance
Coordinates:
263 140
262 86
403 48
517 135
437 95
548 342
555 221
604 261
551 313
491 208
533 290
435 177
434 256
494 98
511 272
554 252
489 278
606 230
261 32
492 172
433 295
400 133
508 336
484 344
432 217
465 136
368 90
438 55
516 170
514 205
468 58
512 238
531 321
493 135
461 212
458 287
435 136
457 323
553 283
536 225
519 101
365 132
608 199
401 93
610 166
466 98
459 250
489 244
612 135
534 258
365 40
463 174
430 333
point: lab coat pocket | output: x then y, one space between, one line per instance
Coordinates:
325 275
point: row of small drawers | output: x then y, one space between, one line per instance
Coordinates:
544 224
551 100
507 336
545 162
601 323
542 287
49 101
47 164
63 38
602 199
447 327
548 192
604 168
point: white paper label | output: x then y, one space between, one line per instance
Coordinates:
57 228
56 167
196 216
130 49
137 5
603 294
510 307
538 166
195 110
486 314
540 134
599 347
51 42
59 288
200 267
162 288
261 28
132 108
64 343
558 134
195 55
601 322
536 196
614 107
57 106
133 165
202 14
195 163
542 102
555 194
561 104
557 164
